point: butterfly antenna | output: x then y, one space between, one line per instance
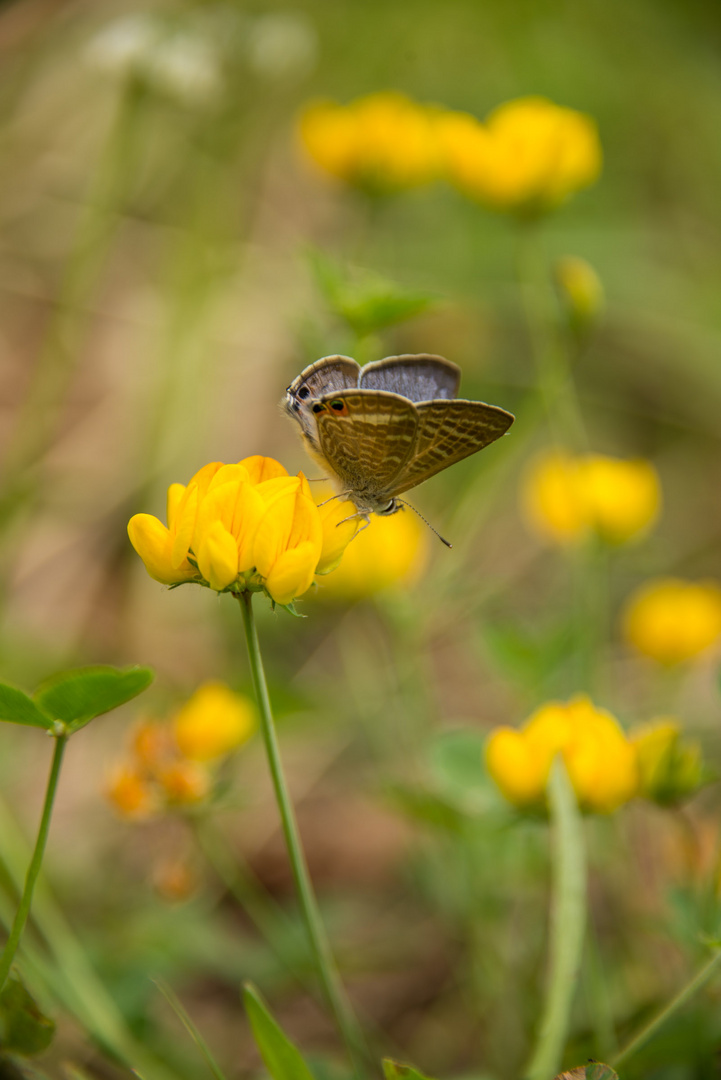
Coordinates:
420 515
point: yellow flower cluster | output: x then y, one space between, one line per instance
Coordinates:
567 498
169 761
244 526
380 143
527 157
600 759
670 767
671 620
390 551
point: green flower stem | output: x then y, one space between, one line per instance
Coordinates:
647 1033
555 380
21 915
335 995
568 919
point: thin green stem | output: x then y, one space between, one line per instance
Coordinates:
328 973
647 1033
21 915
568 920
179 1010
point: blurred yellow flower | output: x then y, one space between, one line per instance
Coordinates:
670 767
184 782
527 157
236 527
566 498
672 620
213 722
600 760
580 290
380 143
390 551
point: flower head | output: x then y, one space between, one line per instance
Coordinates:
670 767
527 157
600 760
390 551
236 527
567 498
213 722
380 143
671 620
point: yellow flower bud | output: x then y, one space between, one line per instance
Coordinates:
671 620
580 289
213 722
600 760
391 551
130 793
670 767
288 544
529 156
381 143
567 498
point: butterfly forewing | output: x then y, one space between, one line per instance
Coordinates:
449 431
324 376
368 440
419 378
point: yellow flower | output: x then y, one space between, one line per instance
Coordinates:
390 551
670 767
529 155
213 722
383 142
580 290
566 498
600 760
244 526
184 782
672 620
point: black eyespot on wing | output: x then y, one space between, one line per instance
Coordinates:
318 407
337 405
304 392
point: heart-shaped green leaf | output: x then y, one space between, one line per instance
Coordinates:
24 1029
282 1059
78 696
17 708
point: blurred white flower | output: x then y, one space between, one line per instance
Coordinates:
123 45
282 45
188 68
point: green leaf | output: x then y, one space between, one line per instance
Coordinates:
24 1029
395 1070
282 1059
17 708
78 696
428 806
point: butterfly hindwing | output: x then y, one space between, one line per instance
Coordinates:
366 436
449 431
423 377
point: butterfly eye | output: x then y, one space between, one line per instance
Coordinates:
304 392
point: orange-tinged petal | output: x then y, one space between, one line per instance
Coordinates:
262 468
153 543
292 573
217 556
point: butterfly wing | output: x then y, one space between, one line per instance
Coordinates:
366 437
419 378
326 375
449 431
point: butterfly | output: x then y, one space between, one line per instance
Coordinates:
381 429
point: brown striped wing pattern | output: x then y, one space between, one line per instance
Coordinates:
368 443
449 431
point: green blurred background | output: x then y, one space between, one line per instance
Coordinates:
156 297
